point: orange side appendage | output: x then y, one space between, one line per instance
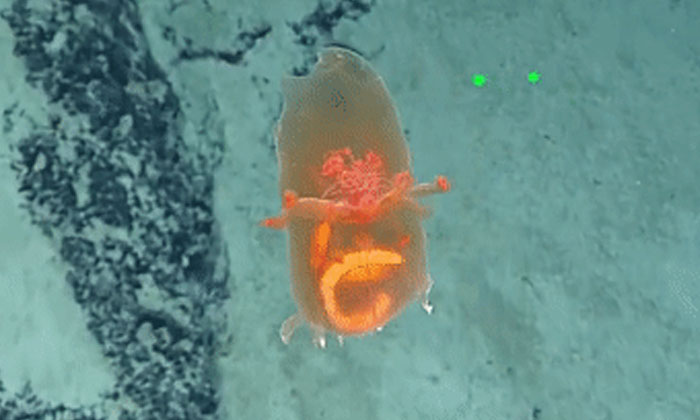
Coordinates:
443 183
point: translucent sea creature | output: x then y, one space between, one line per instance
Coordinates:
349 202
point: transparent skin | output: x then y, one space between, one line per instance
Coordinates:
356 243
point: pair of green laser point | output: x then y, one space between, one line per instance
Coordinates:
479 79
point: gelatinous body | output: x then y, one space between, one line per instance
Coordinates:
356 244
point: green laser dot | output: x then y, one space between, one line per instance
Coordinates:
533 77
479 80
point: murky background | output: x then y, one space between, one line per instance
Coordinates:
137 158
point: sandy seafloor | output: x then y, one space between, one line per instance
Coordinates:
137 157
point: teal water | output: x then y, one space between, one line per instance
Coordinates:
138 158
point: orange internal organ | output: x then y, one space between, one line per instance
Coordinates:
365 266
319 244
357 182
